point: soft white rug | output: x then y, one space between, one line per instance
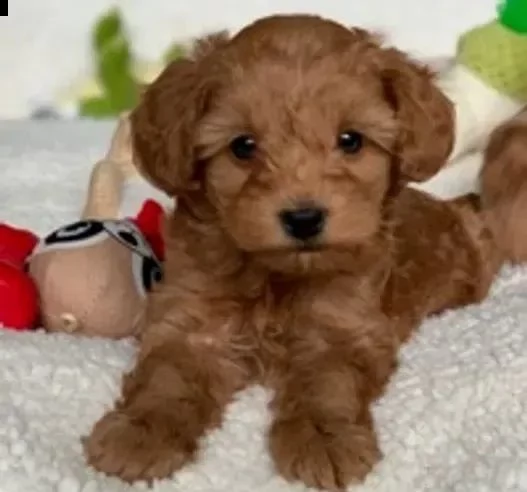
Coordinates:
454 417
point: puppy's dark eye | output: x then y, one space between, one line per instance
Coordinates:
350 142
243 147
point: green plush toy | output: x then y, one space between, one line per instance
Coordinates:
497 51
118 75
488 81
114 70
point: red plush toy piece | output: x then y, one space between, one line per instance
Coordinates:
149 220
18 293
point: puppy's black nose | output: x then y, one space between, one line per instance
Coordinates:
303 223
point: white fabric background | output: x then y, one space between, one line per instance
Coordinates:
44 43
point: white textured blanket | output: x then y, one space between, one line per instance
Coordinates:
454 417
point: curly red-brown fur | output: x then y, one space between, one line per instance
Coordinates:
504 186
242 301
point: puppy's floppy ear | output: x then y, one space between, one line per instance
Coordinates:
424 114
164 121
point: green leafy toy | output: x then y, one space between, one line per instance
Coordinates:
487 83
118 74
114 69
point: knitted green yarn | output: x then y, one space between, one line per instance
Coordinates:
498 54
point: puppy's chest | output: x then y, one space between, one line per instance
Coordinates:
286 314
264 329
274 316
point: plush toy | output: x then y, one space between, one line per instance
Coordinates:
488 80
487 83
18 293
108 175
118 76
93 275
89 277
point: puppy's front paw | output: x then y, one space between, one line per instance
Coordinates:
323 453
148 446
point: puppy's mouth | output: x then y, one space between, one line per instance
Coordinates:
308 246
301 252
305 259
301 248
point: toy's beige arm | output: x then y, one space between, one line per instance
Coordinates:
108 175
478 107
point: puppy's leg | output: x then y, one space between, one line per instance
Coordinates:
323 433
176 392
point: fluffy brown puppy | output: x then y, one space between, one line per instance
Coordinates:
296 257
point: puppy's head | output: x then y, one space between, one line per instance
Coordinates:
293 134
